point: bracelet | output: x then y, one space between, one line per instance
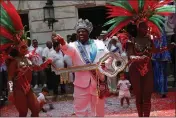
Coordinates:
10 86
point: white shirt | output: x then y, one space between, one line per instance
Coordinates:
68 60
69 63
46 51
118 44
36 60
106 42
41 98
124 85
58 60
39 50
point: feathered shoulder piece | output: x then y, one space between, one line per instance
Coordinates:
11 27
152 12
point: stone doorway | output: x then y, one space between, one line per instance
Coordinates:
97 15
25 21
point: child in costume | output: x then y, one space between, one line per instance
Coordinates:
124 86
147 17
19 67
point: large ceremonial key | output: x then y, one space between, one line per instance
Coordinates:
116 64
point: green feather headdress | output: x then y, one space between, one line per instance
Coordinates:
11 28
152 12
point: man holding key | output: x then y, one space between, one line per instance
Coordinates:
85 51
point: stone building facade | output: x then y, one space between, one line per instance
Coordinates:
66 12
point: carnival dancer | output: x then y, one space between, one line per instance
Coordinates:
146 15
19 66
85 51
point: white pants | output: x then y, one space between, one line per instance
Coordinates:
123 94
85 97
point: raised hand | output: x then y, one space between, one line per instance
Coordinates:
59 39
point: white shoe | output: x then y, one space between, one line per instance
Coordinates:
36 86
44 85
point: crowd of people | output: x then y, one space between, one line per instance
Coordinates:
27 66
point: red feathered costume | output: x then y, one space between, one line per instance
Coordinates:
147 15
18 64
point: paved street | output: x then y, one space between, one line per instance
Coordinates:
64 105
64 108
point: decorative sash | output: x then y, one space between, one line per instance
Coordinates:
84 53
102 85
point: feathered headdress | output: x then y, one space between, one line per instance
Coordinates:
11 28
123 12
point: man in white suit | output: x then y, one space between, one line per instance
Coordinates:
85 51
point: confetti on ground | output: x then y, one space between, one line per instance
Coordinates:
160 107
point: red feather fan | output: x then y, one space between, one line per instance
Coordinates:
118 27
13 14
5 33
134 4
150 3
164 13
117 11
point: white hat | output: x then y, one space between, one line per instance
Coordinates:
103 33
114 37
84 24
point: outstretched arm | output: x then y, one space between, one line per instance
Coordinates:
42 66
67 49
160 50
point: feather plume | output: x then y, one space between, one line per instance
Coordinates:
136 11
13 14
134 5
5 33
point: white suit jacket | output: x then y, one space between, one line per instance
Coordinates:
83 78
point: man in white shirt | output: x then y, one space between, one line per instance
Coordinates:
103 38
58 62
115 45
47 50
37 61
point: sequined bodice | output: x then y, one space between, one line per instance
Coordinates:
142 49
24 62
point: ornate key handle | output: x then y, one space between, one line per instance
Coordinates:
116 63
